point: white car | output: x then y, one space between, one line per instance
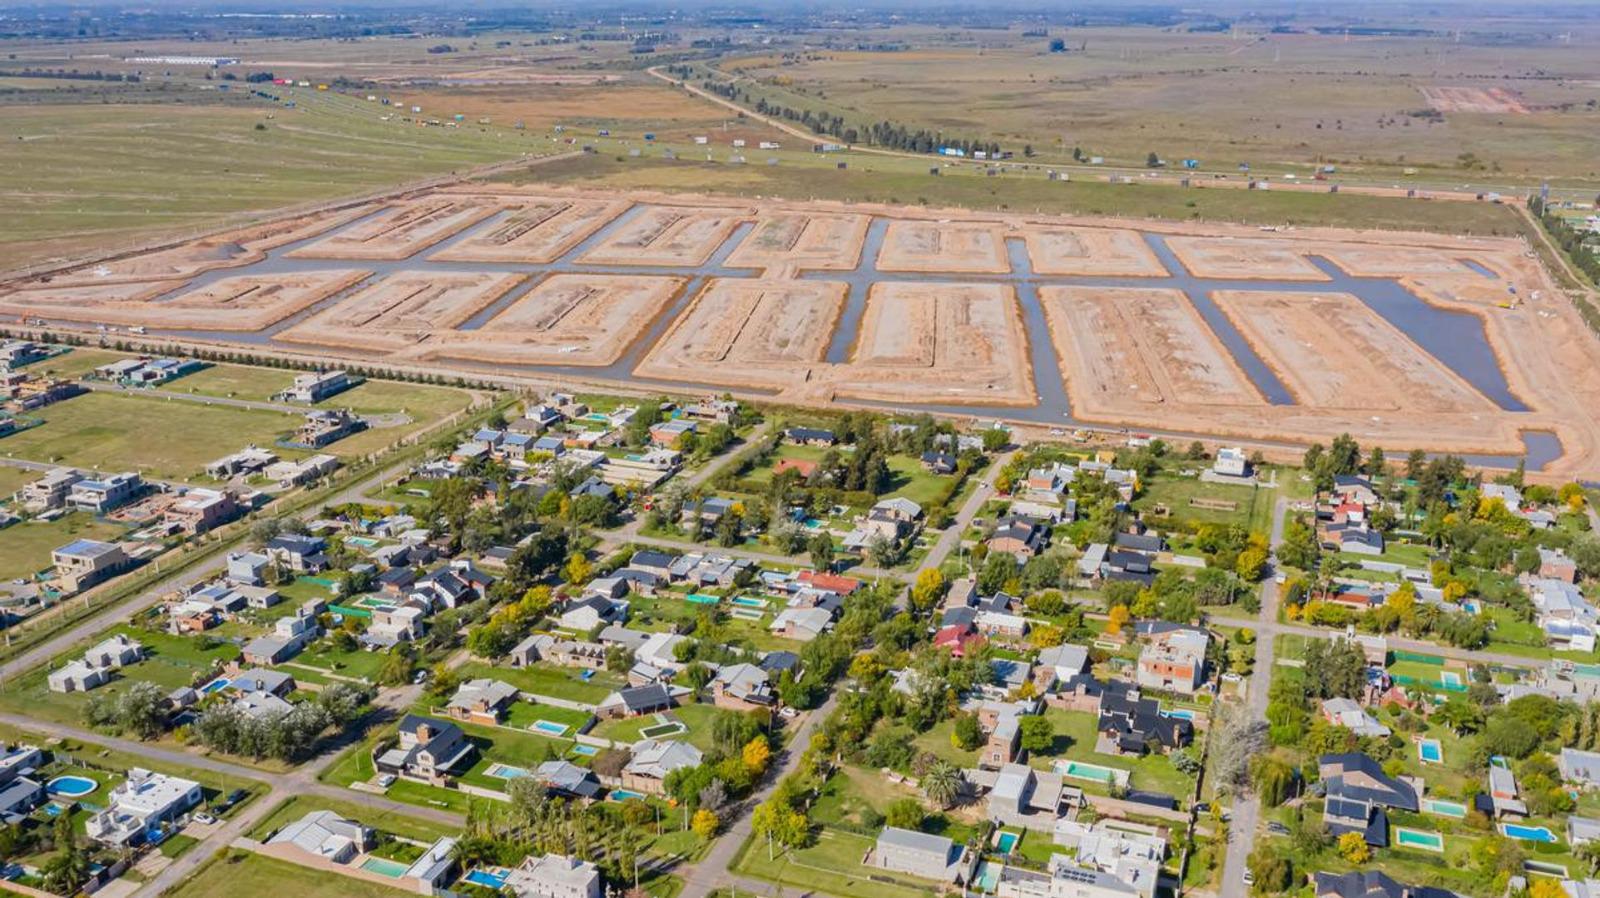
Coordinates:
386 780
1249 878
204 819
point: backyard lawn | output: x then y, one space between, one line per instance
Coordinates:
832 865
170 439
243 873
423 405
390 822
1252 505
556 682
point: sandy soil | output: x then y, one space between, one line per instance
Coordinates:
402 309
1492 101
1332 351
1371 261
80 303
944 247
402 230
668 236
940 343
567 319
1093 252
536 232
1244 258
231 250
1127 350
764 333
796 240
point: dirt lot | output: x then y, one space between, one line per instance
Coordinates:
1099 252
932 342
1332 351
535 232
763 333
402 309
794 240
1124 350
402 230
1492 101
1244 258
939 246
668 235
566 319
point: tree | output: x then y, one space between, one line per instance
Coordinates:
1545 887
705 824
942 783
1271 870
927 591
577 570
968 733
905 813
995 439
1152 160
1038 733
821 549
1251 564
756 754
65 873
1273 779
1117 620
1353 848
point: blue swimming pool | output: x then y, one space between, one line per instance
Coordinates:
587 751
1006 842
623 795
493 879
1528 833
550 727
1179 713
217 685
71 786
1430 751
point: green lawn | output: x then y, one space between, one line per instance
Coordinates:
1075 738
910 481
359 663
556 682
832 865
171 439
25 547
13 479
235 382
1252 505
424 405
76 363
391 822
523 715
243 873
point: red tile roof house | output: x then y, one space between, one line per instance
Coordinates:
805 466
958 638
831 582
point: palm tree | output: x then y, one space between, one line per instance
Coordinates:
942 783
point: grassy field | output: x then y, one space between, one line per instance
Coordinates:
25 548
906 181
1252 505
243 873
235 382
12 479
556 682
833 866
1282 102
424 405
169 439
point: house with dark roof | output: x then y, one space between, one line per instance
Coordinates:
1018 536
427 749
810 436
1371 884
1132 724
1358 794
567 780
636 700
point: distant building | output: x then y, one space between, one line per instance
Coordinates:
106 493
1231 462
313 388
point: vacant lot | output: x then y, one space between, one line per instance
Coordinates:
243 873
170 439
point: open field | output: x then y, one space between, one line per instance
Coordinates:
168 439
1402 339
1281 102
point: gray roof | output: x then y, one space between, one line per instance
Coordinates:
934 846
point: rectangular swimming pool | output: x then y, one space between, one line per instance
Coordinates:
1416 838
1430 751
1528 833
550 727
1441 808
1006 842
384 867
490 879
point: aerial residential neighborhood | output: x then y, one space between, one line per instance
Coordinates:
878 450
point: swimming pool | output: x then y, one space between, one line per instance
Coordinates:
217 685
1179 713
1430 751
1091 772
493 879
384 867
701 599
1441 808
550 727
71 786
1450 679
623 795
1416 838
1528 833
665 728
749 602
504 771
746 614
587 751
1006 842
987 877
364 542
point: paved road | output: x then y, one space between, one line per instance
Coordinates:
1247 808
712 871
950 539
